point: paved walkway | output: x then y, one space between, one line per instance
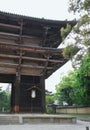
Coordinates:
81 125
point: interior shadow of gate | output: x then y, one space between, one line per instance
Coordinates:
35 99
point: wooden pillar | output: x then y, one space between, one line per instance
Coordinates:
17 94
42 82
17 85
12 97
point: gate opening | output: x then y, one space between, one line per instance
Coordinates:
5 97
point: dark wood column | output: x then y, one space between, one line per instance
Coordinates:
12 97
42 83
16 86
17 93
18 74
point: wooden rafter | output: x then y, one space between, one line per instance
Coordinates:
9 26
30 48
11 68
30 58
25 41
13 65
46 65
12 35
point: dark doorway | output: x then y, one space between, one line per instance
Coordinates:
20 98
30 94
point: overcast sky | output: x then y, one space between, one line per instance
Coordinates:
48 9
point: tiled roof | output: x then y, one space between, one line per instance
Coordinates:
42 20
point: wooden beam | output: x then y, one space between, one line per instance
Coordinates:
30 58
41 59
9 35
9 56
46 65
9 26
24 71
33 49
7 68
37 67
12 65
8 65
31 71
16 35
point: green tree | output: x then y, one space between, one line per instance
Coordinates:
63 89
64 31
49 101
79 6
81 32
81 89
49 97
75 87
70 51
79 82
4 101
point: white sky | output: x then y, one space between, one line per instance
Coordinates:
55 78
48 9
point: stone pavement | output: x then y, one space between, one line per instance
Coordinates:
80 125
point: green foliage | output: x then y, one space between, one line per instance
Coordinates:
82 90
86 4
69 51
4 101
79 97
87 42
83 73
75 88
82 29
79 5
65 31
49 100
76 5
64 89
84 33
85 19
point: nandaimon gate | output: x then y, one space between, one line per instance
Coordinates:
28 55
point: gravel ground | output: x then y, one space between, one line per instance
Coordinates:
81 125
